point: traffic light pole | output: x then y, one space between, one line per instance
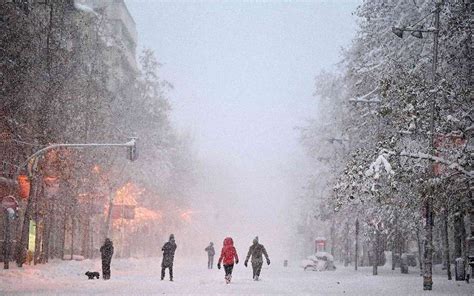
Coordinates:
131 145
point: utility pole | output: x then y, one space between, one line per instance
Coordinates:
428 254
428 194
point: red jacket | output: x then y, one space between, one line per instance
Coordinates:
228 252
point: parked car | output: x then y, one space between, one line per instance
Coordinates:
321 261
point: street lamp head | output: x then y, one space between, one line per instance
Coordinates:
398 31
417 34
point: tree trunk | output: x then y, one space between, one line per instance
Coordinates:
333 238
73 224
458 225
393 256
6 241
396 242
45 216
37 242
356 257
396 248
22 246
468 251
347 247
375 261
428 245
91 234
446 244
63 233
47 234
51 237
85 238
420 250
40 223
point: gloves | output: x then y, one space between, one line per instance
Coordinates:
245 263
237 261
218 266
268 261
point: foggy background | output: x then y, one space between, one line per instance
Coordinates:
243 76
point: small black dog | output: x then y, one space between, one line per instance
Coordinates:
92 274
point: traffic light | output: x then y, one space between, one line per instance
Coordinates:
132 150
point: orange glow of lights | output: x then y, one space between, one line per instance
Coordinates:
186 215
144 214
25 185
127 194
143 217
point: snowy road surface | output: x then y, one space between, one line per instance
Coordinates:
142 277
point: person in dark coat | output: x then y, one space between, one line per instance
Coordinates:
106 251
256 250
210 255
168 249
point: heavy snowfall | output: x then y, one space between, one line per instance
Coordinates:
236 147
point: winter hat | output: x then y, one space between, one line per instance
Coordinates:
171 237
211 243
255 240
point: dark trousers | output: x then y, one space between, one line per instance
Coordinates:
106 269
256 267
163 269
210 261
228 270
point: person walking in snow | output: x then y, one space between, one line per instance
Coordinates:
106 252
256 250
210 255
168 249
228 254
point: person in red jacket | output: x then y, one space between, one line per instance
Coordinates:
228 254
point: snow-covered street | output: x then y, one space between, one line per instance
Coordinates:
312 137
142 277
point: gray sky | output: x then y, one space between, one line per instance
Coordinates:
243 74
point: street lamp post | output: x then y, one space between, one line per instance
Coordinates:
428 211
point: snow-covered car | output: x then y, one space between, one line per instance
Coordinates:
321 261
